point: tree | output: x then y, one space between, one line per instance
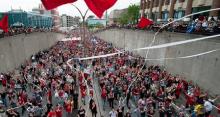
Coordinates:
133 13
123 19
130 16
99 25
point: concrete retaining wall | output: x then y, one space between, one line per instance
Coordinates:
202 70
15 50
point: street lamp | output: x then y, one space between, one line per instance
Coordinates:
83 22
83 26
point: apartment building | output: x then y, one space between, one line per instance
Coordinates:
164 10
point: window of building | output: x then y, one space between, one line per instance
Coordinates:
156 3
148 4
165 15
167 2
179 14
180 1
154 16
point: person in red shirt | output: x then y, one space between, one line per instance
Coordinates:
58 111
190 100
219 108
197 91
52 113
135 93
86 75
80 78
178 90
83 95
104 96
49 96
12 84
69 106
21 103
91 92
4 82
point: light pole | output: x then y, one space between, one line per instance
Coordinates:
82 35
83 21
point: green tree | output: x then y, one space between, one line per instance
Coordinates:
99 25
123 19
133 13
131 16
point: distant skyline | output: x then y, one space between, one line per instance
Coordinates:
28 5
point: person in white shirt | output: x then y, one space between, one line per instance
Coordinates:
113 113
208 107
205 24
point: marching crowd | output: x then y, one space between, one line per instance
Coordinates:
48 85
124 80
43 86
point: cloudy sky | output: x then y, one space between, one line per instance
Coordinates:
27 5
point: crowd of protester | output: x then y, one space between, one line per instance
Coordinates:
43 86
47 85
153 90
201 25
23 30
126 82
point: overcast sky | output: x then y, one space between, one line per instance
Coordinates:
27 5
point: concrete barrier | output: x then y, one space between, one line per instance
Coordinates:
202 70
15 50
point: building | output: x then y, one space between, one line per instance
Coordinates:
76 20
92 21
96 22
163 10
19 18
67 21
56 18
54 13
115 15
39 20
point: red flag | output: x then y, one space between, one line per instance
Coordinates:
51 4
4 23
98 7
144 22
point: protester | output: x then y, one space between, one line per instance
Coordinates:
208 107
81 112
69 107
113 113
52 113
58 111
94 109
